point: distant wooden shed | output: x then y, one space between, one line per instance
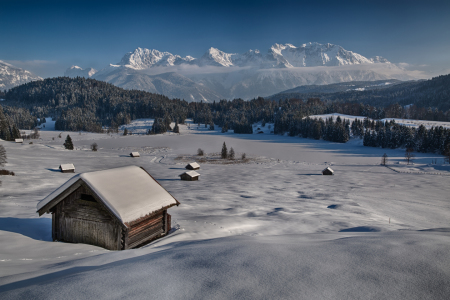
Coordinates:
193 166
327 171
135 154
18 140
67 168
116 209
190 176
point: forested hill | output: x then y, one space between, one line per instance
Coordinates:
434 93
88 104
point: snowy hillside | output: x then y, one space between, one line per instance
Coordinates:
250 74
11 76
271 228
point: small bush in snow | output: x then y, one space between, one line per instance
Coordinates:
6 172
243 157
200 152
94 147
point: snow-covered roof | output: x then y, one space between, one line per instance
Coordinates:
129 192
194 165
64 167
191 173
135 154
19 140
329 169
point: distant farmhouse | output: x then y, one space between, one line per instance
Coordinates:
193 166
327 171
67 168
135 154
116 209
190 176
19 140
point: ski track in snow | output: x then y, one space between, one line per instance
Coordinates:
360 227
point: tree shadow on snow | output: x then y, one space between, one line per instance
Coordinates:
309 174
37 228
361 229
437 230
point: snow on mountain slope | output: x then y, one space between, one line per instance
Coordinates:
220 75
141 59
11 76
76 71
278 56
172 85
215 57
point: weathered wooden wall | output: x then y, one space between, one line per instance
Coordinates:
146 230
85 221
82 218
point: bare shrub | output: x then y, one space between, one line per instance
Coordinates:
243 156
200 152
94 147
6 172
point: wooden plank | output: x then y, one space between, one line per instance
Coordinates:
148 232
150 223
146 240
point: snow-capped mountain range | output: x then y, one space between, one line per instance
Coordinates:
11 76
75 71
220 75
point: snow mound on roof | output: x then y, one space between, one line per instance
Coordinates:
129 192
191 173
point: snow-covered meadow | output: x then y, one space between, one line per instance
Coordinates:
272 228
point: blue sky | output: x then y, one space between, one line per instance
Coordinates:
47 37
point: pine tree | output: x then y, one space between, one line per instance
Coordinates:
68 143
224 154
125 131
231 154
447 153
2 156
384 159
176 128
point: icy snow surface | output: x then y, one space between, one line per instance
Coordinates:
273 228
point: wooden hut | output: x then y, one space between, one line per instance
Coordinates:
116 209
18 140
135 154
67 168
327 171
193 166
190 176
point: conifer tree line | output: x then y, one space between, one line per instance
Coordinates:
393 135
8 129
91 105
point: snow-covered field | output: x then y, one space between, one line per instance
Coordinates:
273 228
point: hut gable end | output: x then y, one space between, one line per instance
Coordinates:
81 218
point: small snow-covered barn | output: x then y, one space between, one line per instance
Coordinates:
116 209
193 166
327 171
18 140
190 176
135 154
67 168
